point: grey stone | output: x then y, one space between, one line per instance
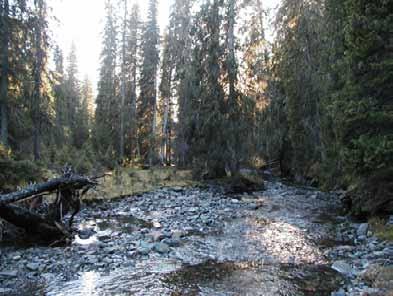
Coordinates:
144 248
362 229
156 235
110 250
342 267
178 234
341 292
33 266
92 259
8 274
85 234
390 220
5 291
171 242
162 248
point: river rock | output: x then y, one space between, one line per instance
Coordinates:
156 235
362 230
144 248
171 242
162 248
9 274
342 267
33 266
86 233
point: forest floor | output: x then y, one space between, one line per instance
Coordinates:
198 241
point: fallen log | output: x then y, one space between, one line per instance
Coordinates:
73 182
49 228
33 224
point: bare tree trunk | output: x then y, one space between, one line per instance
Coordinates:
153 131
166 122
4 71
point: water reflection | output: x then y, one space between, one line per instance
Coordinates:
89 282
86 285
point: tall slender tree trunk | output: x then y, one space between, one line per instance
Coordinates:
232 77
153 130
4 12
166 122
134 137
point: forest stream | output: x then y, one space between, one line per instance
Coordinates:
174 241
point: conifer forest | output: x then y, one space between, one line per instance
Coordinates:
225 112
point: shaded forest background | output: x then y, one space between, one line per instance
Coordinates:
212 94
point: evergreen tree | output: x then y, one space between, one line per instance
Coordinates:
123 82
107 111
88 102
39 99
166 106
147 106
83 117
131 72
59 97
5 37
297 54
208 140
73 96
181 47
362 107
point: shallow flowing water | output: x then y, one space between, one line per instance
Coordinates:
192 242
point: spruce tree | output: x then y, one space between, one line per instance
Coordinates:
39 72
59 97
107 111
147 105
131 64
73 96
166 103
5 37
181 47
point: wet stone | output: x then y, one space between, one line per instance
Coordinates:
342 267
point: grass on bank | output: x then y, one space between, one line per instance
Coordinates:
381 230
130 181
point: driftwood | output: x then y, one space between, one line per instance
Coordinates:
49 228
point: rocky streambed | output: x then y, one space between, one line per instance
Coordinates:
174 241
